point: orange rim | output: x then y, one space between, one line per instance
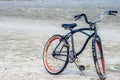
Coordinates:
103 65
102 58
49 68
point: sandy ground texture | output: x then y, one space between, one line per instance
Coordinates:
24 30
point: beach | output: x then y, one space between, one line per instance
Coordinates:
26 25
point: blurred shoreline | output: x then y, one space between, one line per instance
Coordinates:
55 9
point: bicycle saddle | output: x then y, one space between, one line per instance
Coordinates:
69 26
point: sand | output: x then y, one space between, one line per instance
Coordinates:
24 33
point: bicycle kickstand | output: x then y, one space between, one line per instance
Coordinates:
80 67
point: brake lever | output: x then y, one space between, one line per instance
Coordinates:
113 14
77 19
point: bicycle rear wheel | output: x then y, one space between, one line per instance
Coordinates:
55 55
98 56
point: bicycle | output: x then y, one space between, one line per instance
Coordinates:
57 53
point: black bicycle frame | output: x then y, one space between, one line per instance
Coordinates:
82 30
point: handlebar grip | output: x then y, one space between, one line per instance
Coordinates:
114 11
77 17
111 12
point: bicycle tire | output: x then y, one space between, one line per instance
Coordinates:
55 61
98 56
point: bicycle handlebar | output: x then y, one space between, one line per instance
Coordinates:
79 16
110 12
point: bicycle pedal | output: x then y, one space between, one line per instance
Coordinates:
66 45
87 66
82 67
77 60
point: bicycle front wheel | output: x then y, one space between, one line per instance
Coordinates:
55 55
98 56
